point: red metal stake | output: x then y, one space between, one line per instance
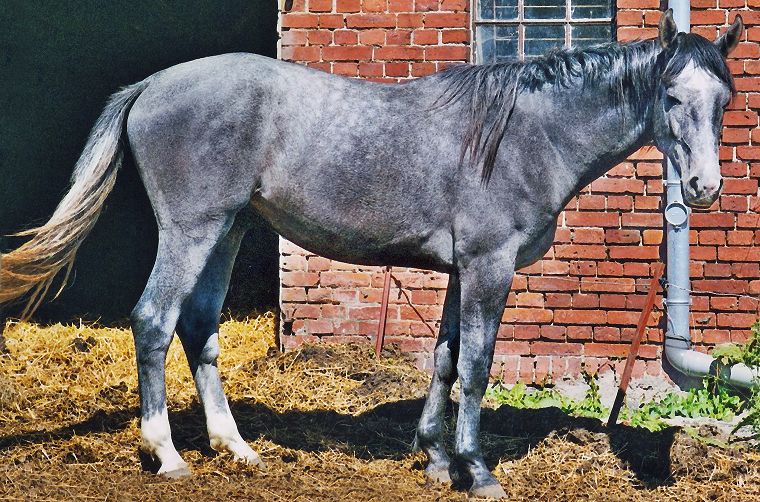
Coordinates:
383 313
653 288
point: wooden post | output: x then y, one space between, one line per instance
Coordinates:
653 288
383 313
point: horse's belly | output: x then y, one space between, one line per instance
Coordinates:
358 239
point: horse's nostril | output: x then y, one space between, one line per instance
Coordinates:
694 184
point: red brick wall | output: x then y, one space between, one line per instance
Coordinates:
578 306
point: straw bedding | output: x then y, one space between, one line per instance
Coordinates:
331 422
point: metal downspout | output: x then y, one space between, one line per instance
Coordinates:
678 336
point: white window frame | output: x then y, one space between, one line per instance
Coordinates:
520 22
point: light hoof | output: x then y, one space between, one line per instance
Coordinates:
439 475
177 473
253 460
491 491
241 452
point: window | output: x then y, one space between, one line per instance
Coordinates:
511 30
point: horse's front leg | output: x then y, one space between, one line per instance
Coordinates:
485 282
430 429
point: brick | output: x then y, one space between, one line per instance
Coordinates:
425 37
347 5
580 317
577 251
400 5
293 37
590 219
455 36
296 53
527 315
399 53
447 53
606 334
712 220
371 21
607 285
372 37
740 118
512 347
588 236
455 5
554 284
553 332
341 53
410 20
399 37
579 332
374 5
556 349
630 18
445 19
622 236
331 21
616 185
605 350
653 220
634 252
736 320
345 279
299 20
526 332
708 17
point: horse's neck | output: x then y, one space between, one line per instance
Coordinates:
591 134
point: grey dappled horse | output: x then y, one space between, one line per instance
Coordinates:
463 172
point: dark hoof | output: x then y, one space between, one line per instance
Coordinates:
182 472
438 474
492 491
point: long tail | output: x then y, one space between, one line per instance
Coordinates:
29 271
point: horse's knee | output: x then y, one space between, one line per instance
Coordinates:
444 368
210 351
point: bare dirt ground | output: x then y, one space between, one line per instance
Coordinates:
330 421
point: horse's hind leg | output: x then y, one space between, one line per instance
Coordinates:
183 251
198 329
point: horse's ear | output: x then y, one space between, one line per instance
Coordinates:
730 39
668 29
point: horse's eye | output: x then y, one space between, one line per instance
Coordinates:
670 102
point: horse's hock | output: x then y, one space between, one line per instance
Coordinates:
576 309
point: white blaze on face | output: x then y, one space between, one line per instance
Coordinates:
700 93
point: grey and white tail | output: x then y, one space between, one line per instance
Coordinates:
30 270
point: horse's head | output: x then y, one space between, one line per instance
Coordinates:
695 87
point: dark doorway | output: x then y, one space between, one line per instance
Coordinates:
59 61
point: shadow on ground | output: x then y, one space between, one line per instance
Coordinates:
386 432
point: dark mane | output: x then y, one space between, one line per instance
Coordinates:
628 71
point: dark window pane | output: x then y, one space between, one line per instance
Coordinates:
590 9
496 44
545 9
498 9
540 39
590 34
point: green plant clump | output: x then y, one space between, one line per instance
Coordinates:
707 401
